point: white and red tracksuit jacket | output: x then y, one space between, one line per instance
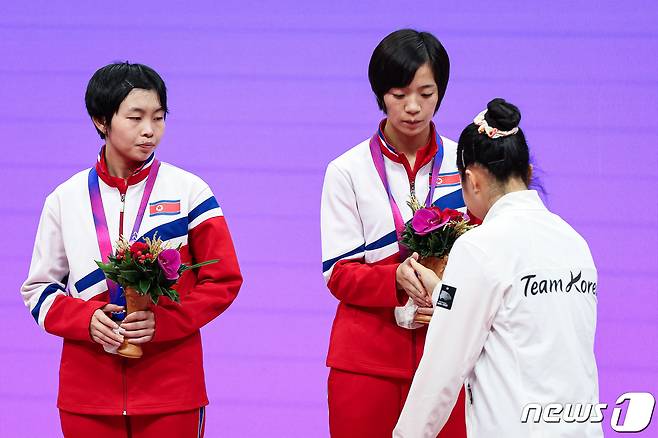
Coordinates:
64 287
360 253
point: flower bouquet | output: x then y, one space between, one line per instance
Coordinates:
431 233
146 271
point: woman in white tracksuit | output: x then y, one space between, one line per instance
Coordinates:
515 314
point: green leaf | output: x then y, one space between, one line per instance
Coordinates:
173 295
144 285
197 265
131 275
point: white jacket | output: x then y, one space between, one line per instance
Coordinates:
514 320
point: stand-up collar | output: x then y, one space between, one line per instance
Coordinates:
521 200
423 156
120 183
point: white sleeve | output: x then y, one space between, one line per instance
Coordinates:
467 302
49 266
340 223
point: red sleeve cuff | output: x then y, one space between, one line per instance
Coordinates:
70 317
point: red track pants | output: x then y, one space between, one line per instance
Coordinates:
188 424
369 406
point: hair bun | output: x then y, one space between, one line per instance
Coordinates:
502 115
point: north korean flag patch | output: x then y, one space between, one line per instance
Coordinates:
447 179
164 208
446 296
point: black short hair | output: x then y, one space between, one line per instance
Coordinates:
396 59
110 85
504 157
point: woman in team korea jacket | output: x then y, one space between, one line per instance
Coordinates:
364 206
101 394
516 312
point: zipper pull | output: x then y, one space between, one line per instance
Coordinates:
470 393
413 201
123 201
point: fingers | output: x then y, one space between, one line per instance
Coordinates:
416 291
102 339
140 340
106 336
100 320
108 308
139 327
407 280
428 277
101 329
423 319
425 311
136 334
140 315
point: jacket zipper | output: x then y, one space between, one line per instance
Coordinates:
412 194
470 393
123 207
125 386
124 380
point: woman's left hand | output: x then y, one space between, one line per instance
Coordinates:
138 327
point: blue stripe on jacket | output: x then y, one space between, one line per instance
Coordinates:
205 206
49 290
170 230
89 280
452 200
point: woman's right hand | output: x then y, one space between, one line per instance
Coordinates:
406 280
426 276
102 327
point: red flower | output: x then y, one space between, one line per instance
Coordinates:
452 215
138 247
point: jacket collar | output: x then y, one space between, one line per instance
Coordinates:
521 200
424 155
120 183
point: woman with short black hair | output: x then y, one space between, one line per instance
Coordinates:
364 207
102 394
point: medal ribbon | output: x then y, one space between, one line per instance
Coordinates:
100 222
378 160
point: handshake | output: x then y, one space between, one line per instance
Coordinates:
419 283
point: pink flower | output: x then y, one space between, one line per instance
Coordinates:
169 261
427 220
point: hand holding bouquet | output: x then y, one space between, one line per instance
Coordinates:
146 271
431 233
